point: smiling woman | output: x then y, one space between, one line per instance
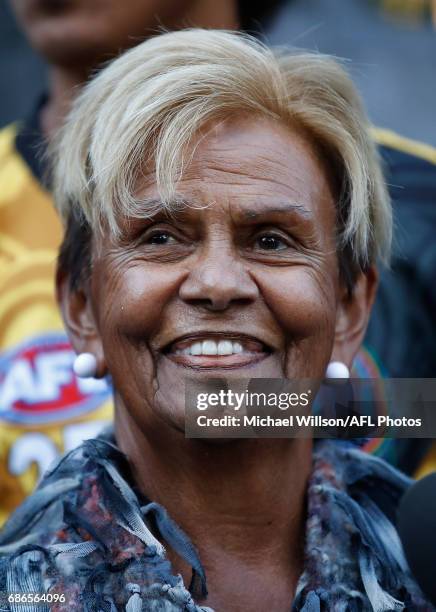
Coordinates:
224 209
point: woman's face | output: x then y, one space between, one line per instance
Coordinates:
242 282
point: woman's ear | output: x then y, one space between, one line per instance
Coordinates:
353 315
79 320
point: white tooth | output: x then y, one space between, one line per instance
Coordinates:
196 348
237 347
186 351
225 347
209 347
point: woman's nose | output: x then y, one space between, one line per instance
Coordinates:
218 282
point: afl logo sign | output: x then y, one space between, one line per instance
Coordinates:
38 385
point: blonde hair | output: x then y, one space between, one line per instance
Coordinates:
147 106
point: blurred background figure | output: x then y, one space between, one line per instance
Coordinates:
49 48
391 46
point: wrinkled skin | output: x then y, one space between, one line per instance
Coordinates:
251 258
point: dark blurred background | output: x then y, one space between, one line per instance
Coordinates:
391 45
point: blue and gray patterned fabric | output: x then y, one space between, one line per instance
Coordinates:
89 534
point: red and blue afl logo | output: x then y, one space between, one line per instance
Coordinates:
38 385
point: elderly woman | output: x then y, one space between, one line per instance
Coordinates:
224 209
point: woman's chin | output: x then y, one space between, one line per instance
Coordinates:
176 375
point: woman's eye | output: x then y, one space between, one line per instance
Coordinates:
270 242
161 237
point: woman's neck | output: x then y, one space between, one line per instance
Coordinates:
64 84
241 502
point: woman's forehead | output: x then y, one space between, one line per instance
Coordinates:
252 164
250 149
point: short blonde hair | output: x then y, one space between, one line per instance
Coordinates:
147 106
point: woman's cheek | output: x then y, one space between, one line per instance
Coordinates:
136 301
131 303
303 305
304 310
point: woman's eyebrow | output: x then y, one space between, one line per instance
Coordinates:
179 206
284 207
175 206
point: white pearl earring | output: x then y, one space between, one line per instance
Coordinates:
85 365
337 369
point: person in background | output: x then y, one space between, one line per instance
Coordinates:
44 408
402 327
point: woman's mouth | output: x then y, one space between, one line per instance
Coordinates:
217 352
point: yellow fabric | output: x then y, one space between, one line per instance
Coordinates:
388 138
429 463
30 233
